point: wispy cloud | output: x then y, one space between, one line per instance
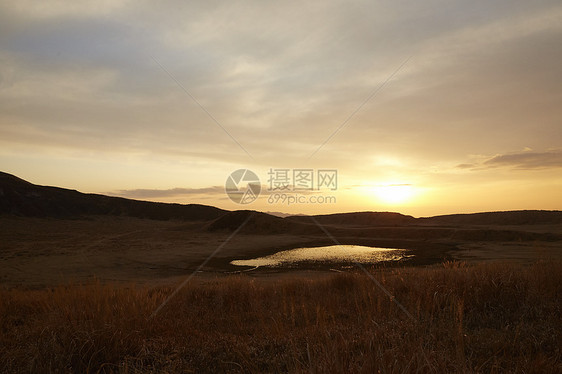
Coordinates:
213 191
527 160
172 192
524 160
278 88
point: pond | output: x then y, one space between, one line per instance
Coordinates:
329 254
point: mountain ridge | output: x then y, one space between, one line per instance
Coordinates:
19 197
22 198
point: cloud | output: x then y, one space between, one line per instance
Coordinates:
173 192
527 160
524 160
213 191
80 79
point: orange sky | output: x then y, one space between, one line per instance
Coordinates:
424 108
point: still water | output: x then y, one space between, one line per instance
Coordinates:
330 254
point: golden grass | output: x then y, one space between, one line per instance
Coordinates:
486 318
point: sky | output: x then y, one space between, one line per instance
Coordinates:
422 108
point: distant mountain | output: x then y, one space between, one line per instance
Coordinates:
21 198
256 222
279 214
516 217
359 219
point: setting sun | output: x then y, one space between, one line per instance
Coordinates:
394 193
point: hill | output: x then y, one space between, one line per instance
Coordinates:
21 198
517 217
360 219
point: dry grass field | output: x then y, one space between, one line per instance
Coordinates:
481 318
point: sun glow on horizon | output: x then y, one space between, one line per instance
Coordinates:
394 194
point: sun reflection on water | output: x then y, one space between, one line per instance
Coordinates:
329 254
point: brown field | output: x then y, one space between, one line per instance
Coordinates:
485 318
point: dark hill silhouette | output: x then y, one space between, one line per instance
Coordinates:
359 219
261 224
258 222
381 225
517 217
21 198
